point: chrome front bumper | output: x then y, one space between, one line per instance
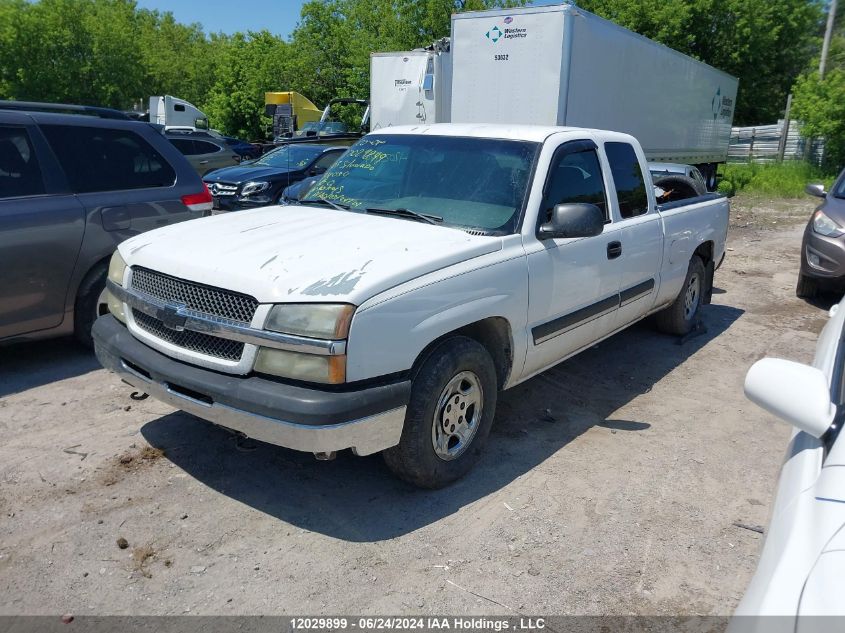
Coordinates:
304 419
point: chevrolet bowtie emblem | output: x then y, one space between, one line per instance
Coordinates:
171 316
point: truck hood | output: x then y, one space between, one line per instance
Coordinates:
303 254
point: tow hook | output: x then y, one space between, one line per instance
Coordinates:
325 457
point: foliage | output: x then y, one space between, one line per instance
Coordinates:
113 53
820 103
783 180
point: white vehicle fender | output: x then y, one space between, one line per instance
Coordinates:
390 331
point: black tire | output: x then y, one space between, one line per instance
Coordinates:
678 187
680 317
89 305
415 458
807 287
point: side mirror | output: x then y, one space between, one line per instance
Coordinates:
816 190
796 393
575 219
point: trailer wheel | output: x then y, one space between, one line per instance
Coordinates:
453 401
678 187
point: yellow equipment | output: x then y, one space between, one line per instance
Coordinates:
289 111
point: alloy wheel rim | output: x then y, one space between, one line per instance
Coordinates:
457 415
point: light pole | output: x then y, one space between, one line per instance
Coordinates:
831 16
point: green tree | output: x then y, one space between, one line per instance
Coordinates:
79 51
250 65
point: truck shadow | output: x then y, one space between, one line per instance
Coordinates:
24 366
358 499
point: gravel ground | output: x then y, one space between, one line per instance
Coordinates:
611 485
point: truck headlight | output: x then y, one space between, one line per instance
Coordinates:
308 367
315 320
253 187
823 225
117 268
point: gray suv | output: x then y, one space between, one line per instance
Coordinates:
71 188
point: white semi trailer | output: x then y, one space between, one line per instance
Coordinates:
410 87
561 65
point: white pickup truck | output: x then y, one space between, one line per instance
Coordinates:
430 268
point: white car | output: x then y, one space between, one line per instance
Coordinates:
802 565
430 267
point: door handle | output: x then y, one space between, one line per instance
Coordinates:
614 250
203 162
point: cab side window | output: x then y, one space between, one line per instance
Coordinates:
574 176
628 178
20 174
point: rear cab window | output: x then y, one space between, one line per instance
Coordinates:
101 159
20 173
628 179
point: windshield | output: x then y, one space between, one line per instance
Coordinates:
292 156
469 182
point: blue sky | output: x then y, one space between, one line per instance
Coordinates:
277 16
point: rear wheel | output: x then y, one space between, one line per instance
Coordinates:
807 287
91 303
453 401
679 318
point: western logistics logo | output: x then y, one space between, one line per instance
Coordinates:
495 34
722 106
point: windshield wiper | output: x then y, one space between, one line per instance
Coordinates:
326 201
406 213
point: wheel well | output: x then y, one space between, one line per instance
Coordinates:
95 269
494 333
705 252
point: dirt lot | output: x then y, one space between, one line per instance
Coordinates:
611 485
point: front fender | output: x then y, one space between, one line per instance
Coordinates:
389 332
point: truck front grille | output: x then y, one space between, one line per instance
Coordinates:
214 302
191 341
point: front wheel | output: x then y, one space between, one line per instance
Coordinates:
453 401
679 318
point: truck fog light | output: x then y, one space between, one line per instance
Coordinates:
115 307
308 367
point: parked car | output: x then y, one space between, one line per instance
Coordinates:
260 182
295 192
802 565
205 153
386 310
71 188
823 245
